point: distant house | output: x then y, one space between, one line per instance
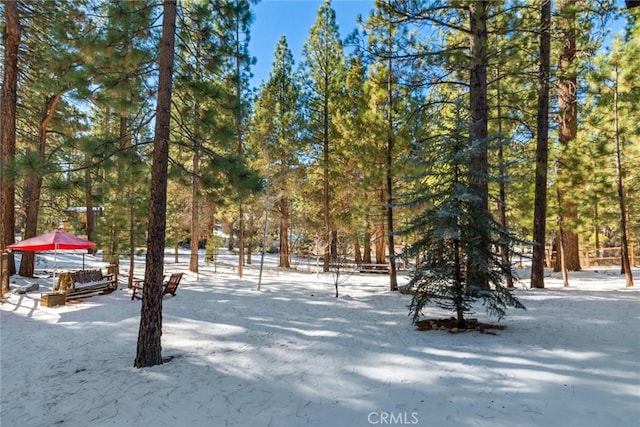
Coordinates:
78 214
97 210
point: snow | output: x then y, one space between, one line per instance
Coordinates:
294 355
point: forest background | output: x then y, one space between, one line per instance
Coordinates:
336 155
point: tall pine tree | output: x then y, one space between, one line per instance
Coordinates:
277 121
323 69
11 40
149 347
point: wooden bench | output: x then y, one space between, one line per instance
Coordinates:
374 268
362 268
85 283
168 287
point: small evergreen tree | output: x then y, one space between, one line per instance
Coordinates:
456 233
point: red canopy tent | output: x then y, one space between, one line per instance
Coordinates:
52 241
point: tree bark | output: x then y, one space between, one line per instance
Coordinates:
12 35
478 128
366 257
393 280
149 348
88 197
120 213
195 209
479 107
240 239
132 243
325 179
626 265
251 231
283 208
357 251
567 129
334 245
33 185
502 203
195 180
380 234
542 150
239 134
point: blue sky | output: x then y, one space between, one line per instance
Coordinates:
294 18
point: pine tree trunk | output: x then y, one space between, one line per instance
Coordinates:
231 242
357 251
366 258
195 211
149 348
195 180
560 251
212 249
240 240
250 243
334 245
502 202
239 133
176 244
393 280
596 225
325 180
459 284
132 244
33 186
12 35
283 207
542 150
117 218
380 234
570 245
479 109
88 197
626 264
567 129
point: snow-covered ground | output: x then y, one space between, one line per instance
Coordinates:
294 355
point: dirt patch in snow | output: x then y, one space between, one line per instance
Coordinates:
451 325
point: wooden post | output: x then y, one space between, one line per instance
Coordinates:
64 283
4 273
549 258
113 269
633 256
586 257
